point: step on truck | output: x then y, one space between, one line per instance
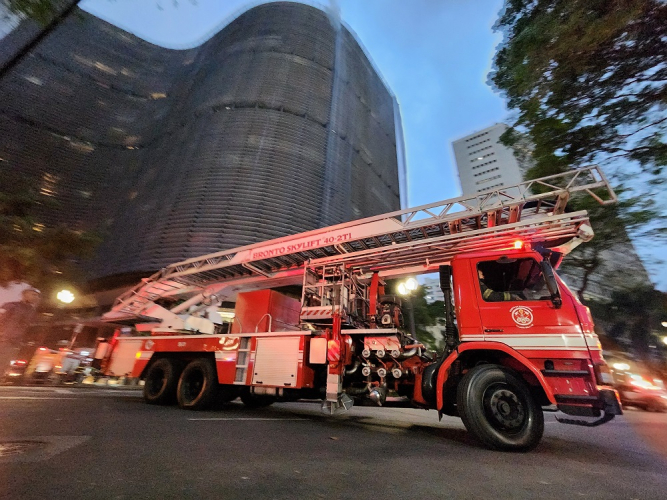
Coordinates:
312 318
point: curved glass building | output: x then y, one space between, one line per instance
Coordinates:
275 125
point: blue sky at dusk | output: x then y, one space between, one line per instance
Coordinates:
434 55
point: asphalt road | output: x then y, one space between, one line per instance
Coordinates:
108 444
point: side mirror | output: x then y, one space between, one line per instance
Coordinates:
552 284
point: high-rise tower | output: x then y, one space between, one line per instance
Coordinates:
484 163
277 124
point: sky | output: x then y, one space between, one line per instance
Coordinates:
434 55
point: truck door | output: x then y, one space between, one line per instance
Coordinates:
516 308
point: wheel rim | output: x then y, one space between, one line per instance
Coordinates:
504 409
156 382
193 385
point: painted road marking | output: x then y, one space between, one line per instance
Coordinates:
241 418
32 397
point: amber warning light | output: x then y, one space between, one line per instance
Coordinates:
518 244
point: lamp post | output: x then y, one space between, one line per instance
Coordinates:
405 288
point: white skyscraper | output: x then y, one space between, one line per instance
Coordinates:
484 163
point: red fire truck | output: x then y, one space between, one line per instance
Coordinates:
312 318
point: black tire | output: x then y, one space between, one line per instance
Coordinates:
256 401
198 385
161 381
497 408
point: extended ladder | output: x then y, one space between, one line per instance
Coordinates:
406 240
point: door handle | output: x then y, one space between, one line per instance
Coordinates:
492 330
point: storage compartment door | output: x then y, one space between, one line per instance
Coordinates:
277 361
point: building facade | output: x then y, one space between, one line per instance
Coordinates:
277 124
484 163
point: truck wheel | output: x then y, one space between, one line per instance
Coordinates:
161 381
255 401
498 409
198 385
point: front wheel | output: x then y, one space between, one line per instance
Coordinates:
497 407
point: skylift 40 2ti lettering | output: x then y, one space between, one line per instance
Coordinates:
312 319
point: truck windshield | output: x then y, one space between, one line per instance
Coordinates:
511 280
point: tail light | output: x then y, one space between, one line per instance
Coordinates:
18 362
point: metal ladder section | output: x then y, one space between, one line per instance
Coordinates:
533 210
242 361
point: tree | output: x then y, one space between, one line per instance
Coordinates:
636 315
29 250
424 314
42 11
587 80
611 224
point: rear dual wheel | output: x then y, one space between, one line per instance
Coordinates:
497 407
198 386
161 381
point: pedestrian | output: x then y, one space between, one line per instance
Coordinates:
15 317
100 353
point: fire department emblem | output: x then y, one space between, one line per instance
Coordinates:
522 316
148 344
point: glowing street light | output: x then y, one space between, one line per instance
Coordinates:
65 296
407 286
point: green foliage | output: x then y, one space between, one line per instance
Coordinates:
634 315
42 11
425 314
612 223
588 79
29 250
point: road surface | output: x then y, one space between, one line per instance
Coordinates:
107 443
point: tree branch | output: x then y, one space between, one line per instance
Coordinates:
643 128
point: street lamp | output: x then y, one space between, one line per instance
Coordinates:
65 296
406 288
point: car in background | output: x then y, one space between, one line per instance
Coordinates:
13 374
635 384
649 395
54 366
